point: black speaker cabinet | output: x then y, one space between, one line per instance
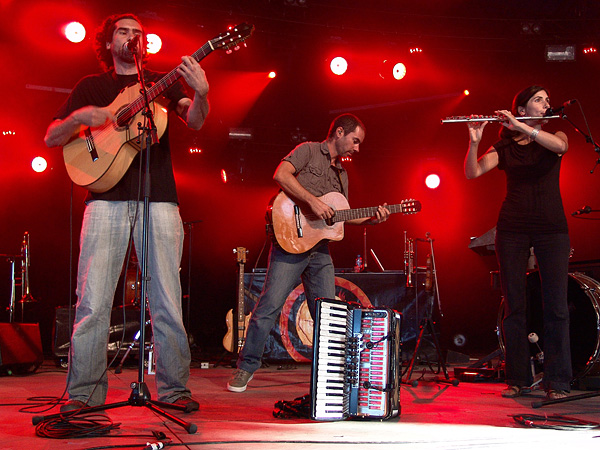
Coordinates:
20 347
130 321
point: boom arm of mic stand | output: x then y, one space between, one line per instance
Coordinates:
588 137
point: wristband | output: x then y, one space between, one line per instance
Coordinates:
534 134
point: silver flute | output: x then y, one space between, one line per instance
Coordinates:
463 119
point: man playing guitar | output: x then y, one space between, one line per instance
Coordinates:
311 170
110 219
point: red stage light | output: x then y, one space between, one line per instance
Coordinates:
432 181
589 50
272 74
39 164
399 71
74 32
223 175
466 92
154 43
339 65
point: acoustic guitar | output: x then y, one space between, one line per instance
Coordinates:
98 157
297 232
234 339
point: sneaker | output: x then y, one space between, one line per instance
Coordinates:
72 405
188 403
239 381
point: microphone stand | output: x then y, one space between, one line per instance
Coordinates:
140 394
588 137
427 322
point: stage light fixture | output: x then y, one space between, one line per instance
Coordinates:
432 181
560 53
74 32
39 164
466 92
589 50
224 176
399 71
339 65
195 150
413 50
272 74
154 43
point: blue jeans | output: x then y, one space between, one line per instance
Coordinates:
283 272
552 254
104 236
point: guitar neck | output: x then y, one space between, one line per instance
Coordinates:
160 86
240 307
359 213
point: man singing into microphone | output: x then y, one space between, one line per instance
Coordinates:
110 219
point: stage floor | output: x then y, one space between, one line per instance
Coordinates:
433 416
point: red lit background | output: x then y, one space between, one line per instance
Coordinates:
474 45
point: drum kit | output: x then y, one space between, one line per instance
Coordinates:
583 297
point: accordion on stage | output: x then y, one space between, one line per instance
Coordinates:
355 362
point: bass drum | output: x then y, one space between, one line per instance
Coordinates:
584 310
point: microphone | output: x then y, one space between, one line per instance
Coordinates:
554 111
584 210
133 44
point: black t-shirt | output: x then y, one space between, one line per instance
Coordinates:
533 203
101 90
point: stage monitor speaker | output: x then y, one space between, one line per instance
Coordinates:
20 347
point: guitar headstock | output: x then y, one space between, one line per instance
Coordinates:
230 39
410 206
241 253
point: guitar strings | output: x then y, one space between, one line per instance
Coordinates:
129 112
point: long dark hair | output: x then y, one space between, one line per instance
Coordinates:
520 100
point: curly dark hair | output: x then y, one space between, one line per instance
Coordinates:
104 34
348 122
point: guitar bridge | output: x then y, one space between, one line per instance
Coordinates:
89 141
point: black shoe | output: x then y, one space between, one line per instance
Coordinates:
189 403
72 405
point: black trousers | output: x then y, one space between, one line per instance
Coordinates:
552 254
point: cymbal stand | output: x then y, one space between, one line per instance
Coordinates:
140 393
431 286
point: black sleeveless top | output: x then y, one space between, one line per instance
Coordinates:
533 203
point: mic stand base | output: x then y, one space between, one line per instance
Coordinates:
140 396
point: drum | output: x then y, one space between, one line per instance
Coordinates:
584 310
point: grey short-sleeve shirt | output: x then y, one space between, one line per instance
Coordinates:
314 170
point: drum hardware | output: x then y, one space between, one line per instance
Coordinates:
431 286
583 297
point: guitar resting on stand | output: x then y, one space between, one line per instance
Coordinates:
236 330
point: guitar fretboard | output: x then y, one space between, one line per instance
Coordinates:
359 213
159 87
